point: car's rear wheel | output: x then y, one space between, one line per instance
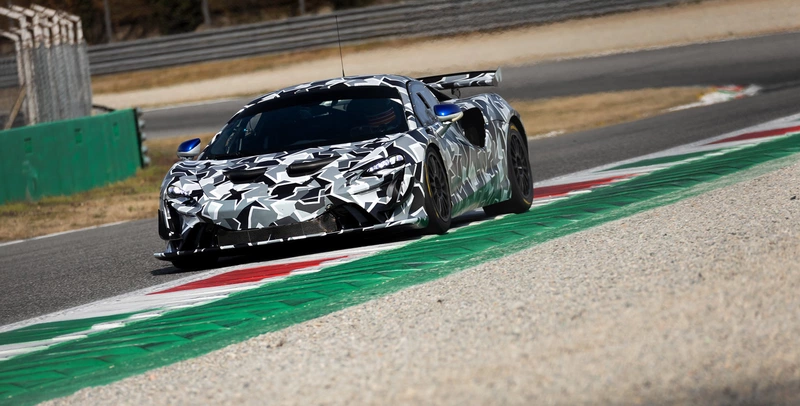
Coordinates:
519 175
438 203
194 262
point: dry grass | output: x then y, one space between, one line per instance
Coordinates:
153 78
570 114
132 199
137 198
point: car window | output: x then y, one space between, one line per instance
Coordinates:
311 120
429 99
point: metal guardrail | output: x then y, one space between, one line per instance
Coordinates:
411 19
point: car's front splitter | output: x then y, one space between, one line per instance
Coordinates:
169 255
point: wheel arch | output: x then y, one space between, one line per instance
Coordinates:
516 121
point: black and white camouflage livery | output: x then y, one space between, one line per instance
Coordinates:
464 79
264 199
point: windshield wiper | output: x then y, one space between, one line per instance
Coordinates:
239 154
224 156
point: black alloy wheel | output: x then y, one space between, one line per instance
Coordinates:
520 165
438 202
519 176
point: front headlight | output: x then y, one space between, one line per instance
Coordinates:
175 192
390 162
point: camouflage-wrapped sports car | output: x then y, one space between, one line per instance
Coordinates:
349 154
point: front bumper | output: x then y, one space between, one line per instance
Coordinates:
240 240
191 226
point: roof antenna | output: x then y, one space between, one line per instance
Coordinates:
341 58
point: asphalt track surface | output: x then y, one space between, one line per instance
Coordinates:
771 61
51 274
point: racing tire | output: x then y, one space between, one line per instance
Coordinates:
438 203
194 262
519 176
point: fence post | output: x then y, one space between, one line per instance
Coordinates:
20 78
26 43
82 64
52 64
141 136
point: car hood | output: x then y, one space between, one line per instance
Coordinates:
274 189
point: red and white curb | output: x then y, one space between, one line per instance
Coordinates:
582 182
721 95
186 292
205 287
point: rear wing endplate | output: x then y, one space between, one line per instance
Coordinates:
463 79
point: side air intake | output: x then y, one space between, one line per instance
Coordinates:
308 167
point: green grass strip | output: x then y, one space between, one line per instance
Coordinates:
178 335
661 160
46 331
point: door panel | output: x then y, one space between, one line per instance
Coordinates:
466 162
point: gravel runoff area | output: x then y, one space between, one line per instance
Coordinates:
709 20
695 302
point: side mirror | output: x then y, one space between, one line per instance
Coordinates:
189 149
448 113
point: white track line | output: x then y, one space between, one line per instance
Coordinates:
64 232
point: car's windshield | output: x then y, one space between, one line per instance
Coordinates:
311 120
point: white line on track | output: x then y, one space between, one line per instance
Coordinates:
64 232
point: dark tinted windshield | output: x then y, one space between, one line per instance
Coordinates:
311 120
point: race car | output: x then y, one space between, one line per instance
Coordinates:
357 153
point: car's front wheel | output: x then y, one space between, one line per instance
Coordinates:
438 203
519 175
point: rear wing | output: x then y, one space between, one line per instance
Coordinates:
463 79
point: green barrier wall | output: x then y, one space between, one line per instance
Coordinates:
69 156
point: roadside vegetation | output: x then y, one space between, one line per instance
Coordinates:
137 197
